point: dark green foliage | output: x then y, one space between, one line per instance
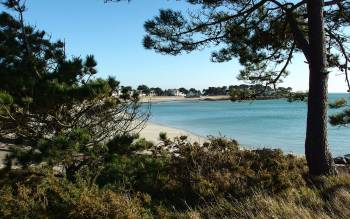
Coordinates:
213 91
126 93
183 90
134 172
53 108
297 96
144 89
194 92
264 35
163 136
241 94
255 36
127 144
340 119
158 91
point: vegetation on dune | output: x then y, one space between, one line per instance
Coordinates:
301 202
178 180
52 197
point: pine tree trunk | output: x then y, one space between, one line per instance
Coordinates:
317 151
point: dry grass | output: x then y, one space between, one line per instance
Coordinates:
58 198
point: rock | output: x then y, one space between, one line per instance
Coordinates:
347 155
347 158
343 169
341 160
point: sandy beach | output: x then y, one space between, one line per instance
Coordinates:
157 99
152 130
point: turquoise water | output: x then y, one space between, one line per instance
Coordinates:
261 123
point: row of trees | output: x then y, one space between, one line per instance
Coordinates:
258 90
249 92
166 92
156 91
254 90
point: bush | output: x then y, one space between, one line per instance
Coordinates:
221 169
134 172
52 197
179 180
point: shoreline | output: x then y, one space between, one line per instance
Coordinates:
152 129
151 133
158 99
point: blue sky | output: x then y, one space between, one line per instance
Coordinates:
113 33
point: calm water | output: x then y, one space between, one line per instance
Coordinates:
264 123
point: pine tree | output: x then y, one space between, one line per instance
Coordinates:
54 109
265 35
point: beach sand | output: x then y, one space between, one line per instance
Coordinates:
152 130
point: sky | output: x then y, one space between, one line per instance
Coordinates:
113 33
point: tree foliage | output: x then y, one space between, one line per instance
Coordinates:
263 34
341 118
144 89
53 107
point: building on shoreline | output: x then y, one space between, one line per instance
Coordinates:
176 92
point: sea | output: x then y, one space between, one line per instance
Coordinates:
254 124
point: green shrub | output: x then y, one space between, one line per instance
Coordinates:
163 136
216 169
5 99
134 172
180 170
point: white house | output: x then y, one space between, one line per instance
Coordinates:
193 94
141 94
152 93
176 92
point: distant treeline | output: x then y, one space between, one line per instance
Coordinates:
242 91
246 92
